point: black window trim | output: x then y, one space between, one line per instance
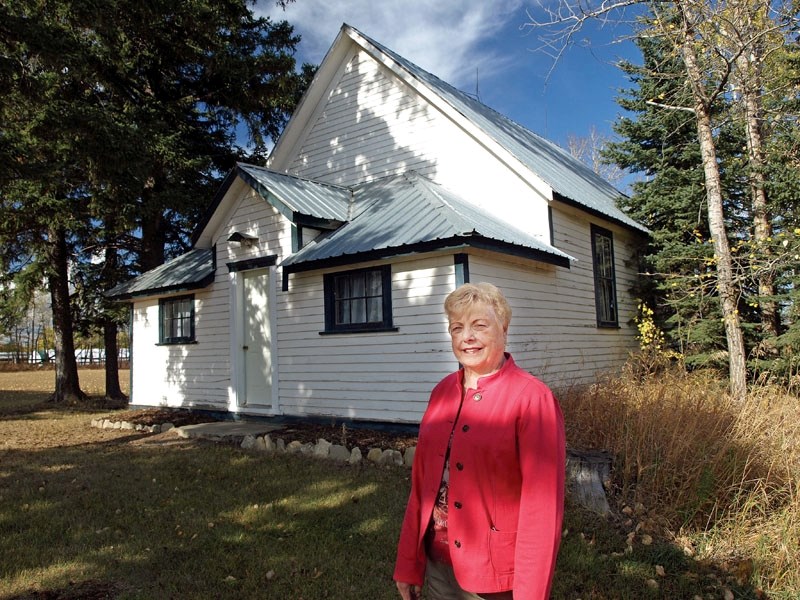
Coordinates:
331 327
162 339
597 231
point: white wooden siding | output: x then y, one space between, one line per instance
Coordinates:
199 374
374 125
177 375
378 376
370 126
554 331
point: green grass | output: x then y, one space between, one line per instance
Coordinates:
198 521
86 511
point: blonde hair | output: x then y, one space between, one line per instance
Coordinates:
460 299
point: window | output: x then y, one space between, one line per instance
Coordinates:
176 320
359 300
605 286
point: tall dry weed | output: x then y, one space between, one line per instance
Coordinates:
724 474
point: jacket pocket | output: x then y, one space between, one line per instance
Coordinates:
501 550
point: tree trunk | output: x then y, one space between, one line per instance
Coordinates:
726 286
67 387
749 73
152 254
113 389
108 278
153 228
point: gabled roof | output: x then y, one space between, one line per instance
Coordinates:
190 271
408 213
570 179
390 217
299 200
543 164
298 197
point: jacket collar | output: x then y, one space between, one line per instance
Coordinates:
488 380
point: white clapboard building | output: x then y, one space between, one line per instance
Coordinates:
316 282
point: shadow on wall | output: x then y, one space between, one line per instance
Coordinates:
363 148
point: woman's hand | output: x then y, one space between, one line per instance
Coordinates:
409 591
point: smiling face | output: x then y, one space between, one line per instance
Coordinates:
479 341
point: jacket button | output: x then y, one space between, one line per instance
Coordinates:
457 544
458 505
465 428
459 466
477 397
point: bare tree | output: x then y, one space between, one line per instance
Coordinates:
750 35
589 150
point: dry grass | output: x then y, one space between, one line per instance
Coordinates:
724 476
81 506
40 381
100 513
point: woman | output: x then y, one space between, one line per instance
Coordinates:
487 485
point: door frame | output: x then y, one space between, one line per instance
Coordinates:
237 391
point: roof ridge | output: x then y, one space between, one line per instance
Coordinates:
434 188
400 60
527 152
297 177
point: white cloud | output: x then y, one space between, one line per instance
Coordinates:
447 38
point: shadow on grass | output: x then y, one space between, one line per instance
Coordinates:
122 519
196 521
596 561
15 404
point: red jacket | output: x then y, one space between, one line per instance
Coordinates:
506 496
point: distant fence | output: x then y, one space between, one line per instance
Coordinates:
84 356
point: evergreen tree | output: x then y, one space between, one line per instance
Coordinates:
660 143
722 48
782 183
119 120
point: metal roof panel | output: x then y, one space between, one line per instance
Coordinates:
299 195
192 270
569 177
407 210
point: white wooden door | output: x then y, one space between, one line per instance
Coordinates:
257 339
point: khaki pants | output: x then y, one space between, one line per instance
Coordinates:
441 584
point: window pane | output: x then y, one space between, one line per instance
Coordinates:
355 299
605 292
375 310
342 311
177 320
358 311
604 256
342 287
375 283
182 329
165 321
359 286
606 304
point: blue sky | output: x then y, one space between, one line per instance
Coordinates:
483 41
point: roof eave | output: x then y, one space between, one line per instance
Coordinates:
452 243
162 290
230 178
641 229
